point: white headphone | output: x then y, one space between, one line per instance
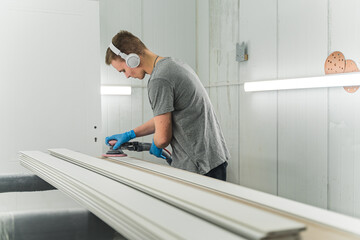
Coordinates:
132 60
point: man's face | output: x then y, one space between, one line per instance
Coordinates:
121 66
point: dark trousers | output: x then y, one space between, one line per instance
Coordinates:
219 172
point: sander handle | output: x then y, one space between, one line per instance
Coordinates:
142 146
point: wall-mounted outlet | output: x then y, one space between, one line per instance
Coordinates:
241 54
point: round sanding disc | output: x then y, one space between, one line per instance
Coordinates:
350 66
335 63
114 155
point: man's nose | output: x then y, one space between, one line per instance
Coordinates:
127 75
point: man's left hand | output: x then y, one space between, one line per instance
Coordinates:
154 150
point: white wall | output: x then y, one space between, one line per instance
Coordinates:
299 144
49 78
49 87
343 113
168 29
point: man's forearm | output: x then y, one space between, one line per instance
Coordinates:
145 129
163 127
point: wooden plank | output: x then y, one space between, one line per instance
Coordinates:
302 114
344 115
222 211
120 206
258 111
321 223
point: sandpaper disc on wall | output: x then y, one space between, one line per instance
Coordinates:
335 63
350 66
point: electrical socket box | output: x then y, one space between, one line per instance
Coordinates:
241 55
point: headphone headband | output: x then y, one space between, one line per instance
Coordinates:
132 60
117 51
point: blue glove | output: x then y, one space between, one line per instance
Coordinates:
120 138
154 150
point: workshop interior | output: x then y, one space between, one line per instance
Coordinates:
282 78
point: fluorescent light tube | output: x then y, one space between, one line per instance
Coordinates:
115 90
331 80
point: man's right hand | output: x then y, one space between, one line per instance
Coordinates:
120 138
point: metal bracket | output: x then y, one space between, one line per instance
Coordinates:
241 55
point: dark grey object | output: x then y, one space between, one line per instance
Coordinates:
23 183
70 224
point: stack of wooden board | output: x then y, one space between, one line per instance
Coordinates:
320 223
143 204
132 213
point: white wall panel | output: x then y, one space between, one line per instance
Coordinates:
344 152
344 114
258 111
169 28
226 105
118 113
203 40
49 95
224 34
258 141
224 27
117 15
136 114
302 116
344 24
302 141
258 29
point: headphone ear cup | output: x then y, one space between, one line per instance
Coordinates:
133 60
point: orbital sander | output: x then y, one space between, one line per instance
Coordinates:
114 153
133 146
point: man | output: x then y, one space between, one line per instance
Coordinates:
183 114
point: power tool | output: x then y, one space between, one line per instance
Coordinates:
133 146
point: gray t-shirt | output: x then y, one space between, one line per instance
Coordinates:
198 144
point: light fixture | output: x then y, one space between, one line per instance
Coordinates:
330 80
115 90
